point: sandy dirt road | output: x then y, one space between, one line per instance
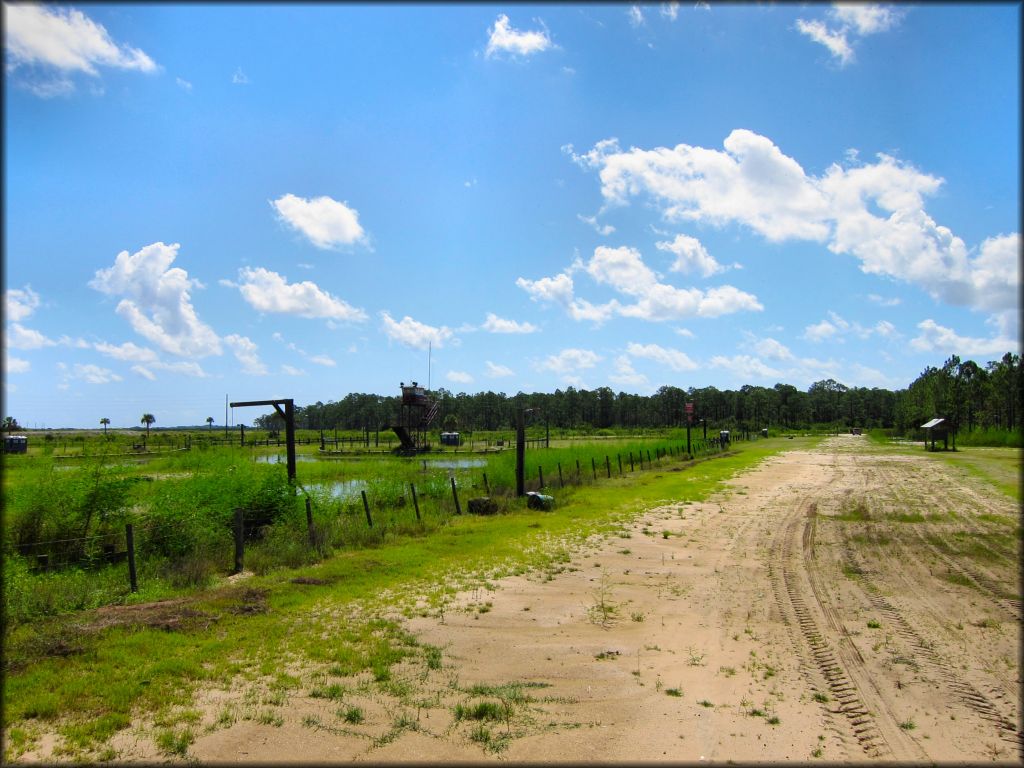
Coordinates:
835 604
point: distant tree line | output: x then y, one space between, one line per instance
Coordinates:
969 395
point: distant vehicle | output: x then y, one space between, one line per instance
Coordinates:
855 431
451 438
724 436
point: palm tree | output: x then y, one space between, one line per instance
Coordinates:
209 421
104 421
147 419
10 424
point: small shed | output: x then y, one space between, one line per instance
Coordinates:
936 429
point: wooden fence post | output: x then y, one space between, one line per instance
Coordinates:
366 508
540 474
619 457
309 523
608 466
129 534
455 495
487 486
630 461
415 501
561 483
239 538
593 467
579 475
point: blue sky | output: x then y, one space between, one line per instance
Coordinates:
296 201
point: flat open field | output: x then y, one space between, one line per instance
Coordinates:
847 602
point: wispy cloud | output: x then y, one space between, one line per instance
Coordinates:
849 22
44 45
496 371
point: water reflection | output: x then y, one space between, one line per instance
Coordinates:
453 463
341 489
282 458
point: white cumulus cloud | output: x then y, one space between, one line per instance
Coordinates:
268 291
772 349
327 223
691 256
158 303
459 377
874 212
557 289
504 38
496 324
414 334
624 270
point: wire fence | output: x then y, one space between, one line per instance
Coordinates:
144 534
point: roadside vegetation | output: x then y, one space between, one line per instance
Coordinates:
87 673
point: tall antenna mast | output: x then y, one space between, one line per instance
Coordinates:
430 350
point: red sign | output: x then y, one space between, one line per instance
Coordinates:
689 407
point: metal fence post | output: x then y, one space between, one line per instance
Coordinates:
455 495
366 508
129 534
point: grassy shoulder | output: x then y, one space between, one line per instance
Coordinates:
999 467
87 675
